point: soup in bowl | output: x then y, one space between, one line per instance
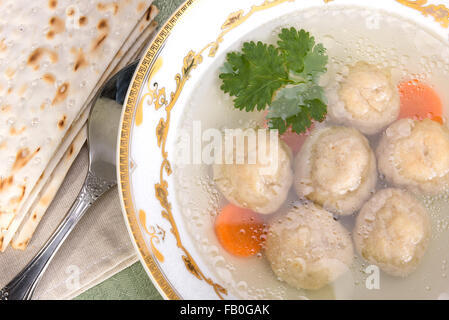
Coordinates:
301 153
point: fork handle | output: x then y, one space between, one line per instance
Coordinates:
22 286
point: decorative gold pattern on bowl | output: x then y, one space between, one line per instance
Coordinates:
439 12
155 236
147 61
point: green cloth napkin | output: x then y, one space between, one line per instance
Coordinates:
132 283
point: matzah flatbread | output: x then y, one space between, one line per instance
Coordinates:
129 47
43 179
47 72
23 236
41 204
139 46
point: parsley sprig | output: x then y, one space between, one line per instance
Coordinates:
284 78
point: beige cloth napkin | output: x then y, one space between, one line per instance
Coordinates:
97 248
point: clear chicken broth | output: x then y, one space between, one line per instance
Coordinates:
349 35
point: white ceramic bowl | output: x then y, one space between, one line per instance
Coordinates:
177 58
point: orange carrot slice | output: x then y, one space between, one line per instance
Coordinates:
419 101
240 231
292 139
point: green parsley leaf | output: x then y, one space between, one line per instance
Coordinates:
296 106
317 109
294 46
256 74
283 78
285 105
315 62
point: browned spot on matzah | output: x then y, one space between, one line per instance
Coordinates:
34 216
108 6
22 245
53 56
19 198
61 123
52 4
70 12
57 24
102 24
97 43
37 54
80 60
40 177
44 201
6 183
148 15
10 72
2 45
61 93
50 34
23 157
6 108
140 6
24 188
3 145
82 21
71 150
14 132
10 89
22 89
49 78
22 195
